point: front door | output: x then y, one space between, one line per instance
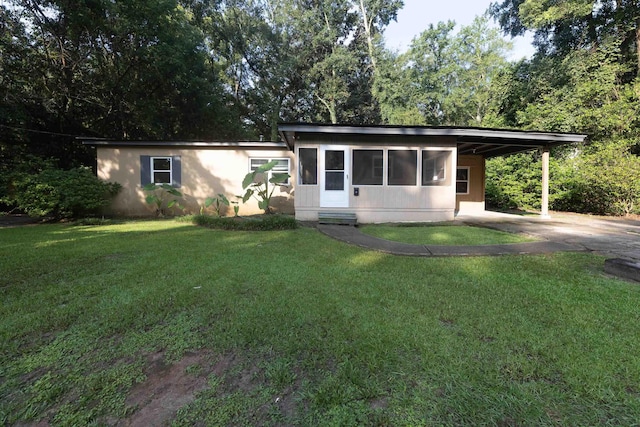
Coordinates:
334 177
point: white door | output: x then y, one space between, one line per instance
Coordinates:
334 176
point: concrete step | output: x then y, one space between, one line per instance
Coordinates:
337 218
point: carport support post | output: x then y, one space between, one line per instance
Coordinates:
544 212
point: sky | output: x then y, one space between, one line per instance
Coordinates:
416 15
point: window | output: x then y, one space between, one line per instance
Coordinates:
462 180
334 173
403 166
368 167
434 167
308 166
282 166
160 170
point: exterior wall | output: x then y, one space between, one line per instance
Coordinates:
205 172
474 201
384 203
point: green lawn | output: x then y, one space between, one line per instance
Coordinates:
426 234
106 323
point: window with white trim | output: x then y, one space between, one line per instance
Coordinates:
161 170
282 166
462 180
435 165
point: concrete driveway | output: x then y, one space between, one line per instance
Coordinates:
612 237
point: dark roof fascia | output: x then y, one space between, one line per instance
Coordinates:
533 139
261 145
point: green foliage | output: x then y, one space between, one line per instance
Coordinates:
216 202
582 92
514 181
63 193
563 27
445 78
219 202
258 185
603 181
262 223
163 196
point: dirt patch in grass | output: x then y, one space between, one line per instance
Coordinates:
168 387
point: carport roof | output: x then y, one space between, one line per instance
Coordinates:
482 141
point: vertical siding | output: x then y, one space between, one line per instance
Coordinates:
384 203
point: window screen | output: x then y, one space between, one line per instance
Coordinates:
308 166
434 167
367 167
403 166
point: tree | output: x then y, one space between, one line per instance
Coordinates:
564 26
445 78
108 69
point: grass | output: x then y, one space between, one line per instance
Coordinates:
293 328
423 234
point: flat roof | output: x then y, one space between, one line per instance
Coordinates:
485 141
258 145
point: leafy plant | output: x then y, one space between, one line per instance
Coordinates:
218 202
163 196
262 189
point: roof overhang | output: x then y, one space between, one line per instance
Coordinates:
481 141
249 145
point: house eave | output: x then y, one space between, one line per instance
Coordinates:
257 145
501 141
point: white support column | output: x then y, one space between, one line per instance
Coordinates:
544 211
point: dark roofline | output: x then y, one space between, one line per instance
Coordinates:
510 141
98 142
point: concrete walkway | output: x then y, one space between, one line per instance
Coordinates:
563 232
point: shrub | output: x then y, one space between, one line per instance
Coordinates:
514 181
63 193
604 182
258 223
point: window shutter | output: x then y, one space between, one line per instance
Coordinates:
177 171
145 170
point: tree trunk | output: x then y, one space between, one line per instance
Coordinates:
367 29
638 45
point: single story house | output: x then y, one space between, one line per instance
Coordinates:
378 173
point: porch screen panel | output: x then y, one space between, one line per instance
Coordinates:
308 166
334 170
403 167
367 167
436 167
